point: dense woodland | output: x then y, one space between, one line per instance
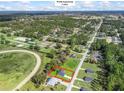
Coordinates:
112 65
112 76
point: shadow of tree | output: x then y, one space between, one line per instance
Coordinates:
101 81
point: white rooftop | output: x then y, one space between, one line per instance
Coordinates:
53 81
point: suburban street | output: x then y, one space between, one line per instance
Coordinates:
69 87
38 62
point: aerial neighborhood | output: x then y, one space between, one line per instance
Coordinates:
62 52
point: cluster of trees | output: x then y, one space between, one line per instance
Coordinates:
121 31
3 40
114 62
108 29
39 79
34 47
67 21
78 39
57 60
122 36
6 18
37 28
113 65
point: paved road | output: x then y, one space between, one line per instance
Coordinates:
38 62
69 87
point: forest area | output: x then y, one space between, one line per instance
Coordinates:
113 65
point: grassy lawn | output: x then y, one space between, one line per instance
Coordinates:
84 84
55 73
45 50
94 67
83 74
74 89
79 56
4 47
71 63
14 67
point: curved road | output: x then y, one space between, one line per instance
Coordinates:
38 62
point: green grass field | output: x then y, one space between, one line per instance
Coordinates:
91 66
14 67
44 50
84 84
74 89
94 67
71 63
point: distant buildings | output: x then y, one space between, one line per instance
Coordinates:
108 39
73 55
114 39
101 35
22 39
97 56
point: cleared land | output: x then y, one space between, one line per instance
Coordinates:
14 67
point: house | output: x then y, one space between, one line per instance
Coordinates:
52 81
116 40
22 39
62 73
73 55
101 35
108 39
97 56
87 79
20 45
89 71
82 89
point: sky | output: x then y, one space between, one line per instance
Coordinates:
50 6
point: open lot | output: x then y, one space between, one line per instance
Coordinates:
14 67
71 63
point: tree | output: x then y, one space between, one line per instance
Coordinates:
58 45
49 55
38 79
